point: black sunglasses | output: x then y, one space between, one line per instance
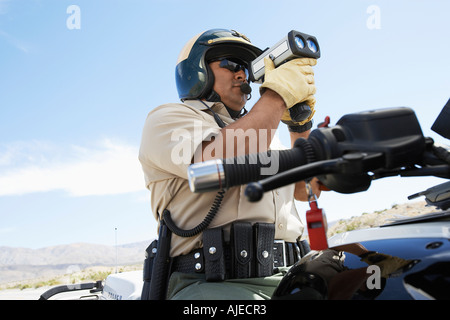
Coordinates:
233 66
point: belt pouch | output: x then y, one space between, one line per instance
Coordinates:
264 234
214 254
241 240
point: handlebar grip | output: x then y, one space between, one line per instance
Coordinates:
300 112
226 173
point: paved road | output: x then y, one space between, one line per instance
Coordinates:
17 294
34 294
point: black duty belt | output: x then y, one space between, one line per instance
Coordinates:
252 252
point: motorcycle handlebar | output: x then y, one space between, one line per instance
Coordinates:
383 142
225 173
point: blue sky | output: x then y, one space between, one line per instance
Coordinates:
73 101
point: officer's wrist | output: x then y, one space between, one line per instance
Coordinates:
274 97
300 128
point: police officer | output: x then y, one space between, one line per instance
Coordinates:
209 122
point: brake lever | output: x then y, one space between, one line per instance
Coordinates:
351 163
255 190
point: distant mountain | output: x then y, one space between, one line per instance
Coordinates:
378 218
21 263
17 264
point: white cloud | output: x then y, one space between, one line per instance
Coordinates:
14 41
105 168
7 230
18 44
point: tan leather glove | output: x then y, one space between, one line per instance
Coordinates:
388 264
293 81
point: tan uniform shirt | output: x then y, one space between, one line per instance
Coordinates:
171 135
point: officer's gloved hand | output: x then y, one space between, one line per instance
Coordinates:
294 82
388 264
